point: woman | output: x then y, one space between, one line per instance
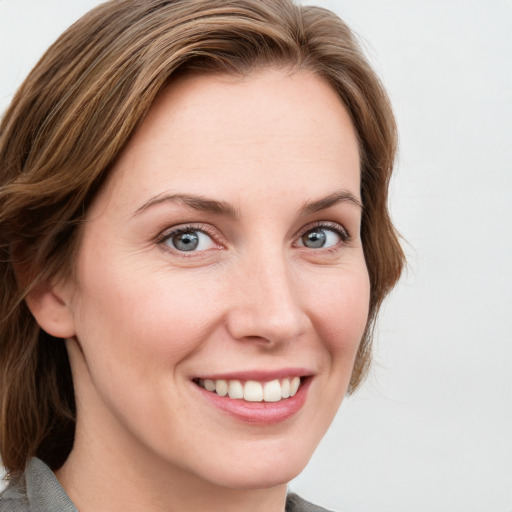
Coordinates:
195 246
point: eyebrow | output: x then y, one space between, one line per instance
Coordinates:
341 196
200 203
205 204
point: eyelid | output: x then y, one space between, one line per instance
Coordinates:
339 229
167 233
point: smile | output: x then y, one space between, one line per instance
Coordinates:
251 390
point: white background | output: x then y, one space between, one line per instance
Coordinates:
431 429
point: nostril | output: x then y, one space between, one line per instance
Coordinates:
263 328
266 309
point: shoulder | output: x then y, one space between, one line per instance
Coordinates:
14 497
36 490
295 503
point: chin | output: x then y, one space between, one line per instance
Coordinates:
258 469
264 478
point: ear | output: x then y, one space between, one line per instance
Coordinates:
50 306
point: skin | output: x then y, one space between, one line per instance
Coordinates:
143 318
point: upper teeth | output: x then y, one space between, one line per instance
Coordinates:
253 391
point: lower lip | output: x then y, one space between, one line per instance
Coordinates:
258 413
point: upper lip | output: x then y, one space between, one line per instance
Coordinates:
258 375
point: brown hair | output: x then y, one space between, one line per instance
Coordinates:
74 114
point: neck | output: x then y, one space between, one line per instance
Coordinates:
98 478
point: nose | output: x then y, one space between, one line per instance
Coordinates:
267 305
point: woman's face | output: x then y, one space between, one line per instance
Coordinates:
223 255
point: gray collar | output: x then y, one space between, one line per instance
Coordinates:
38 490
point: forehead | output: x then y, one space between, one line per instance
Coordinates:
227 132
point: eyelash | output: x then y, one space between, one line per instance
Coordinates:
169 233
342 232
166 235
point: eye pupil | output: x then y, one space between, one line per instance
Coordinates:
185 241
314 239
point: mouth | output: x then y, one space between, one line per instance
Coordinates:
276 390
257 397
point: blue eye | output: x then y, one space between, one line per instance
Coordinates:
188 240
322 237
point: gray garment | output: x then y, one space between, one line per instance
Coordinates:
38 490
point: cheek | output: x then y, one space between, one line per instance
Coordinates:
141 318
341 313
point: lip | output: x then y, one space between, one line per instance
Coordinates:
259 375
258 413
